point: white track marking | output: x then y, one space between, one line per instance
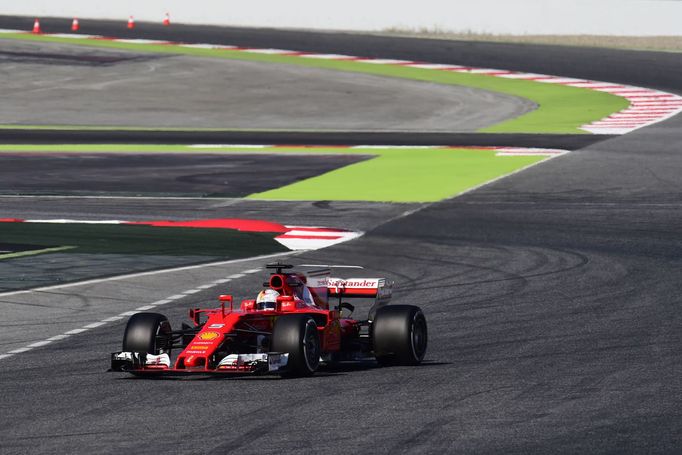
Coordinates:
94 325
66 221
125 314
141 274
39 344
175 297
73 35
329 56
229 146
61 337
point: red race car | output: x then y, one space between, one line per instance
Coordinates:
300 321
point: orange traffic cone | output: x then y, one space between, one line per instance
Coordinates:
75 26
36 26
131 22
166 20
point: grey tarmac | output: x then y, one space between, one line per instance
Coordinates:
552 298
58 84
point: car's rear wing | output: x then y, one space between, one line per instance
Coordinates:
380 289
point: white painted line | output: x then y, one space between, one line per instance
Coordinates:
130 313
140 41
39 344
143 274
229 146
65 221
485 71
73 35
329 56
58 337
175 297
522 75
144 308
385 61
222 281
94 325
267 51
383 147
434 66
564 80
202 46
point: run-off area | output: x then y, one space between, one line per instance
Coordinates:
404 174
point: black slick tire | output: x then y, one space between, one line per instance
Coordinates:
399 335
147 332
297 334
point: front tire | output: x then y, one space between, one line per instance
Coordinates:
148 332
399 335
297 334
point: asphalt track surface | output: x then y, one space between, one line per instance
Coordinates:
198 175
54 83
552 298
50 136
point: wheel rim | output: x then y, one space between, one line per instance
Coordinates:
311 346
419 337
160 331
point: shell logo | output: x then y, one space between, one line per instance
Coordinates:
208 336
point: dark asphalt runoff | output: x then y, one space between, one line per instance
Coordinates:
553 301
130 174
561 141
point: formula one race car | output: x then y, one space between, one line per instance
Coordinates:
291 329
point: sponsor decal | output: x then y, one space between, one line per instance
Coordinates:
207 343
216 326
208 336
354 283
199 348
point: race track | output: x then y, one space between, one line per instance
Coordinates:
552 298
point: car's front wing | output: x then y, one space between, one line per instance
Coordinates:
142 362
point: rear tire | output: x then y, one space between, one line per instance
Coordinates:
297 334
399 335
148 332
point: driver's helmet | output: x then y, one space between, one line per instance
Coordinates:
267 299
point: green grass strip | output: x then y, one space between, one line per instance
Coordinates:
21 254
138 239
393 175
405 176
561 109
